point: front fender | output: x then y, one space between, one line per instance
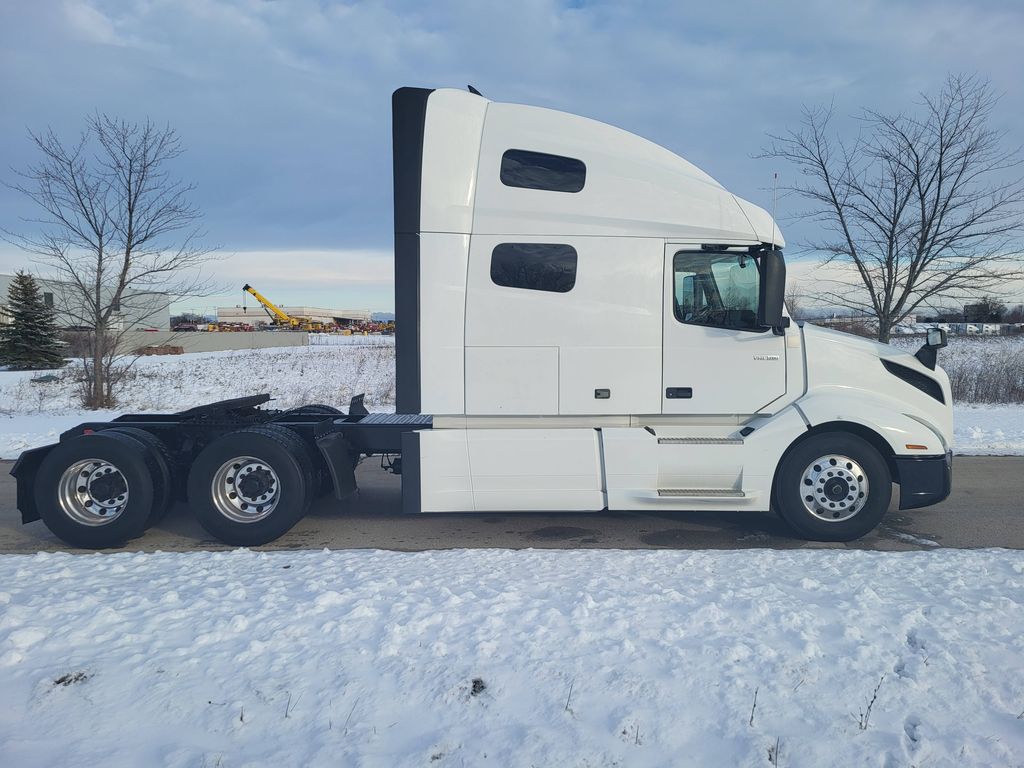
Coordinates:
890 418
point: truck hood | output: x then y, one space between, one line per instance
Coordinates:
839 361
860 344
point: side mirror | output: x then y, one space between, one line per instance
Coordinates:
934 341
773 291
936 338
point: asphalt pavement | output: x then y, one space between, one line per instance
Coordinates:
986 509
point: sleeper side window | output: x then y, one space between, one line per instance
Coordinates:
717 289
538 170
534 266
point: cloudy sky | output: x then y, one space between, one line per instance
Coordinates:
283 105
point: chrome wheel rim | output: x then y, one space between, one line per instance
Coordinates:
92 492
834 488
246 489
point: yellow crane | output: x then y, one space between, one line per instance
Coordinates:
282 318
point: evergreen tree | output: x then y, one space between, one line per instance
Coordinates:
29 342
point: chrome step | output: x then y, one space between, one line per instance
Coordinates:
700 441
717 493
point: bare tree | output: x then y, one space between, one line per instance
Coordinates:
795 300
919 207
117 230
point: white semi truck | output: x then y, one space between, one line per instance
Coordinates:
585 321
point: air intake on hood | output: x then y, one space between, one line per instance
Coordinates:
926 384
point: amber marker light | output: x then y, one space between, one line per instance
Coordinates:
915 447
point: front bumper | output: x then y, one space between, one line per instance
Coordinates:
924 480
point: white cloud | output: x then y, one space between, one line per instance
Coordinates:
89 23
319 268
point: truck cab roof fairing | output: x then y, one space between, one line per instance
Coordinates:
633 188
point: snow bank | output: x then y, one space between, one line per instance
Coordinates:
19 433
473 658
990 430
291 375
356 340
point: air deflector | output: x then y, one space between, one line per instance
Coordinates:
408 118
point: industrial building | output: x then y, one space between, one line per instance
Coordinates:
256 315
139 311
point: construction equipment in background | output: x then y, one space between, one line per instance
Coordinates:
228 327
281 319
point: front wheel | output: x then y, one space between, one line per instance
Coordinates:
834 486
251 486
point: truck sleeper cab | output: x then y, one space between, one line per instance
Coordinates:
591 322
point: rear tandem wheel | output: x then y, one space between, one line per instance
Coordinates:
98 490
251 486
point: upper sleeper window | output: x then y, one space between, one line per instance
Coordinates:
537 170
534 266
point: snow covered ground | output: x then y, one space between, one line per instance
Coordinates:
471 658
33 414
988 430
292 375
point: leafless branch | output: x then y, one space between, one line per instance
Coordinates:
920 207
116 229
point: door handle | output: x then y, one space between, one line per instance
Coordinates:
679 393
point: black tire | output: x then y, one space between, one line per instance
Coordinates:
284 454
323 484
162 467
123 452
791 488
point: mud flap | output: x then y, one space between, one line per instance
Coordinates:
341 459
410 471
24 471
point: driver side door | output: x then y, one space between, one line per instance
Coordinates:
716 359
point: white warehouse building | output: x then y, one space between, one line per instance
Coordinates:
137 311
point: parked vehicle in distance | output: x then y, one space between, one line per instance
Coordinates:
585 321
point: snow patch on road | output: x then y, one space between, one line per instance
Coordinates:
579 658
